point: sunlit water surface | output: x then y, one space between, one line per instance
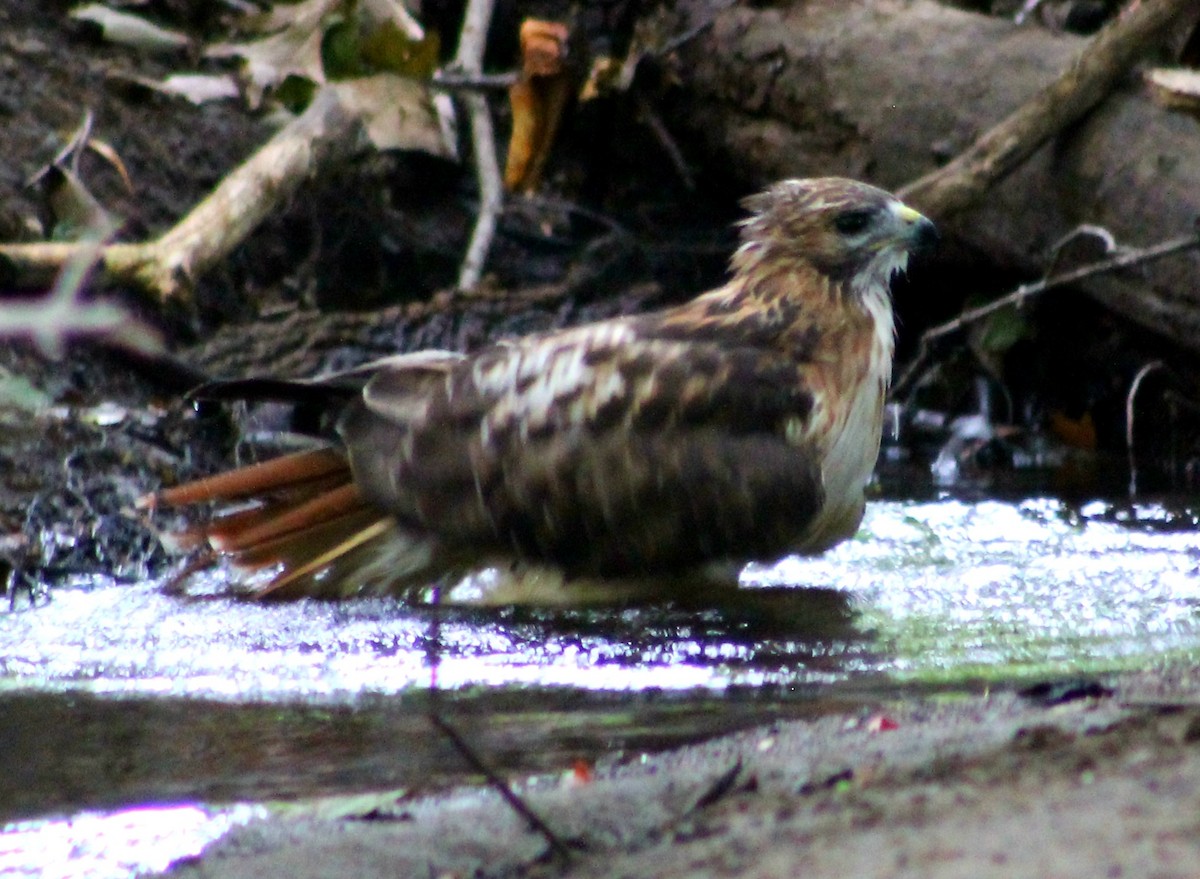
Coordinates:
311 697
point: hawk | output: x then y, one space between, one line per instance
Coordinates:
626 457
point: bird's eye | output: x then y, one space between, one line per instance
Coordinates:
852 222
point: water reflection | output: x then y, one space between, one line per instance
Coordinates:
122 639
928 589
112 846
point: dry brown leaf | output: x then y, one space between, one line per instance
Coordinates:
105 150
537 101
295 39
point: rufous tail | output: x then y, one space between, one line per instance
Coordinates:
300 515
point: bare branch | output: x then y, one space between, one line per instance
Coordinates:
1125 259
1085 83
469 62
332 129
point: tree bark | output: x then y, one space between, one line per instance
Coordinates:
889 91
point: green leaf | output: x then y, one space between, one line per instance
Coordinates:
387 48
296 92
341 51
1003 329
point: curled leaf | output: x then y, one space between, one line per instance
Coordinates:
537 101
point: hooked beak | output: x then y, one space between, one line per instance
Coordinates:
922 234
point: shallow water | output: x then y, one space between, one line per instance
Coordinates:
115 694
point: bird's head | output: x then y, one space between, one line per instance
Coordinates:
851 232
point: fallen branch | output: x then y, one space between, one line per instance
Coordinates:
166 267
333 129
1017 298
1093 74
468 62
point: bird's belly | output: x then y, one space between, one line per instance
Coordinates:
847 467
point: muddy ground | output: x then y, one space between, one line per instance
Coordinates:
982 786
967 786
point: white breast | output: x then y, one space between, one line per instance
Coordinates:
853 444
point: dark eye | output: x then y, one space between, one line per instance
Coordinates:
852 222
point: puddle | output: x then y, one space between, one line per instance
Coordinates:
941 590
112 695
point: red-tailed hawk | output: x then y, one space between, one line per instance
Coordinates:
624 456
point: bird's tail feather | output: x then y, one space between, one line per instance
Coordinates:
297 526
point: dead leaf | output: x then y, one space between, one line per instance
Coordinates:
398 112
651 35
324 40
105 150
601 79
198 88
130 30
881 723
73 213
537 101
293 47
543 47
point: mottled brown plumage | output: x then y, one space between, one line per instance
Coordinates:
740 426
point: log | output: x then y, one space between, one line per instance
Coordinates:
890 91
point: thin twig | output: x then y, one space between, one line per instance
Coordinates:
479 82
1126 259
1129 400
678 41
469 62
501 786
659 129
476 762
